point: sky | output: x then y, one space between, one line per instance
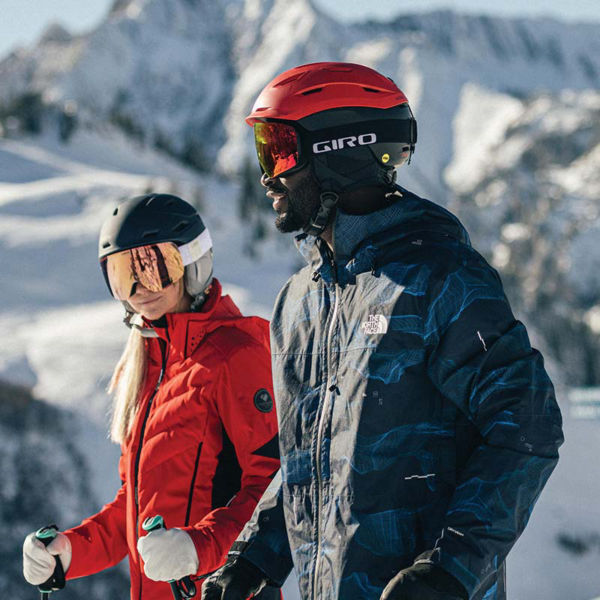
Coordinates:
22 21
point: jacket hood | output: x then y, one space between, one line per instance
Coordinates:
358 238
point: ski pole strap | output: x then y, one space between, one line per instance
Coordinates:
57 580
184 588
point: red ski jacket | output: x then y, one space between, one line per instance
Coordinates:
203 447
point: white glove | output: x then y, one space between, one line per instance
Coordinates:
168 554
39 561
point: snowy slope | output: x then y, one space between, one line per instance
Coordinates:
48 237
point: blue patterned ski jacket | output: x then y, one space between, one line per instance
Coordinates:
415 419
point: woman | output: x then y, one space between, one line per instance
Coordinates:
193 409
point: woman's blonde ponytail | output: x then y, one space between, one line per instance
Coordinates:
126 385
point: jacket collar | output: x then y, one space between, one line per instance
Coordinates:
185 331
357 239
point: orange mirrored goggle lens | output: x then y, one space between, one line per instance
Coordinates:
277 147
154 266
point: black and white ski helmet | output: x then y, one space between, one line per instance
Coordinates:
155 218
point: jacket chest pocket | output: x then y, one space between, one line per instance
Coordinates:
175 429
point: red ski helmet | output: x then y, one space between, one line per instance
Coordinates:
312 88
350 123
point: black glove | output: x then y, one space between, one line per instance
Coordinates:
424 581
235 580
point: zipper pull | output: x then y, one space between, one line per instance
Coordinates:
333 268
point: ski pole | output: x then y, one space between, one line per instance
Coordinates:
57 579
184 588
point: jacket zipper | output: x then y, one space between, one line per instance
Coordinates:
191 494
321 428
163 349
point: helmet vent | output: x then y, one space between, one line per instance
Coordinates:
106 245
115 212
288 80
151 233
372 90
312 91
180 227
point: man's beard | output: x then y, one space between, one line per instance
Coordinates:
301 205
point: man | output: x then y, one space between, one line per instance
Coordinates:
417 425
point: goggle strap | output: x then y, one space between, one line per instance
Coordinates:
195 249
364 133
135 321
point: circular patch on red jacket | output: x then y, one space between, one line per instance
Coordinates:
263 401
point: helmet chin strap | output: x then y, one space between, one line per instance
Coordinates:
332 184
135 321
323 214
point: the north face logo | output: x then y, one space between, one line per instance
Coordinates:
375 324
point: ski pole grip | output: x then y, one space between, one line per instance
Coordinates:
153 523
57 580
183 588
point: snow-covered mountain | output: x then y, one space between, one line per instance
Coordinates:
430 56
182 74
160 70
508 114
527 182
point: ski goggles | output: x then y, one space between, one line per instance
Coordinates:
277 147
283 148
154 266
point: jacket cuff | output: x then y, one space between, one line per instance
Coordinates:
77 568
441 580
470 570
209 559
275 568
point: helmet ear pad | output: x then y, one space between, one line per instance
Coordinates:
198 275
351 168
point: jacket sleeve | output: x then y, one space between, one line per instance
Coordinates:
480 358
100 541
244 401
264 541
